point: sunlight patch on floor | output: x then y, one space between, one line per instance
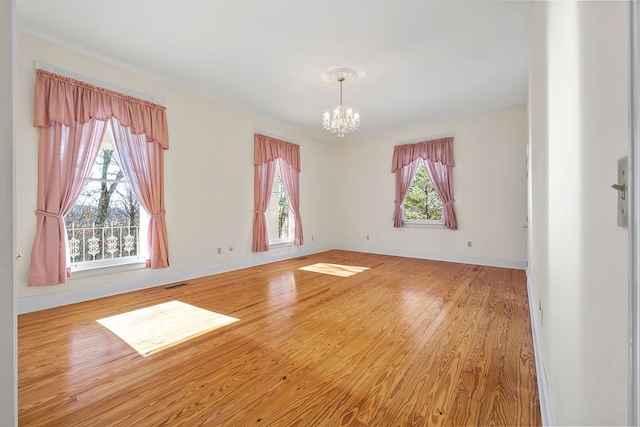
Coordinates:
152 329
334 269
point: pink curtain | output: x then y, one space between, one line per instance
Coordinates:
438 157
65 158
438 150
143 164
291 182
63 100
266 151
441 180
70 116
262 183
266 148
404 178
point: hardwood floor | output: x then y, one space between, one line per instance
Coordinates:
406 342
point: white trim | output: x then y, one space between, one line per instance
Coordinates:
546 410
426 138
461 259
11 267
98 268
408 223
159 278
634 218
129 92
280 243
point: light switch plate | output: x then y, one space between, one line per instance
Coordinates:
623 196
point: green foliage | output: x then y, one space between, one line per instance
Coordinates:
283 214
422 201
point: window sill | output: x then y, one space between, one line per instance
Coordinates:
280 243
417 224
80 270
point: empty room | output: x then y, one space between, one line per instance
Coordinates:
362 213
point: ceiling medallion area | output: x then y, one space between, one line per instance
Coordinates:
344 119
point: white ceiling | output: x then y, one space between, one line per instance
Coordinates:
417 60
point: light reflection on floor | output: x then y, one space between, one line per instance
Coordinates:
282 289
152 329
334 269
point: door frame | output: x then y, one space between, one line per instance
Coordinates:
634 217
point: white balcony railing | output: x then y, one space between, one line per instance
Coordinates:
101 243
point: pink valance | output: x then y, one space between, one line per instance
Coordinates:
267 149
436 150
67 101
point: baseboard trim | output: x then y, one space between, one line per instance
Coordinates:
56 299
546 410
489 262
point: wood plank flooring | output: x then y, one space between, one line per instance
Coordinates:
405 343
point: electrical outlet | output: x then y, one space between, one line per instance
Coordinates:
469 243
367 237
312 238
230 248
219 251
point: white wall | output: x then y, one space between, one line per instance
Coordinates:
208 182
489 189
8 383
579 129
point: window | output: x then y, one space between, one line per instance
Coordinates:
434 156
422 204
68 145
106 224
276 193
279 215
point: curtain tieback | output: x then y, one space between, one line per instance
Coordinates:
51 215
449 203
158 214
258 212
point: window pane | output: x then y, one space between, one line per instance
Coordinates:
279 217
104 223
107 165
422 202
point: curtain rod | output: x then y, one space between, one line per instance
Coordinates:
426 138
66 73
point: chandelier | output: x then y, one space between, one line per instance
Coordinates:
344 119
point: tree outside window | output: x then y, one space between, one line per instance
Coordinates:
422 203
